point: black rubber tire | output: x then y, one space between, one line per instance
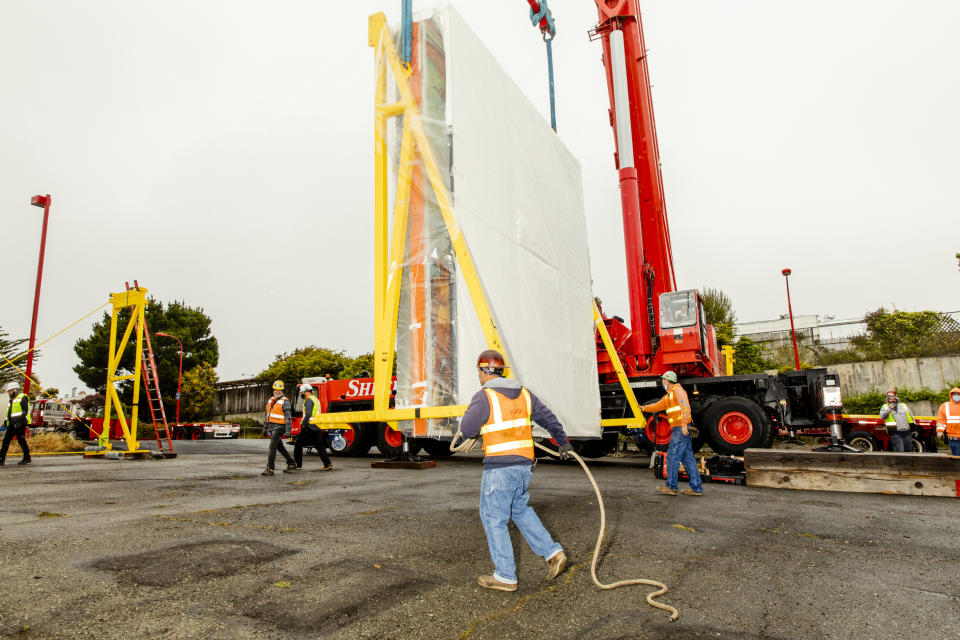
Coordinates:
358 445
643 443
180 433
864 441
391 451
758 423
435 448
597 448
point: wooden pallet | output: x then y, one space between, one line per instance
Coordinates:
913 474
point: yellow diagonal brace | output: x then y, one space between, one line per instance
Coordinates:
621 374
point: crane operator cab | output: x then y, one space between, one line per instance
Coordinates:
685 336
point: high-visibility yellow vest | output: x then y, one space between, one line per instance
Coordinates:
508 430
315 409
19 402
891 421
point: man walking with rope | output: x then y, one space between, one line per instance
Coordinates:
502 413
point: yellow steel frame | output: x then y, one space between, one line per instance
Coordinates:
637 421
135 299
388 268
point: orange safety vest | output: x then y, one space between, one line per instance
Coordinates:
275 411
950 420
508 430
678 407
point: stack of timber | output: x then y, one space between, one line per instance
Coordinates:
913 474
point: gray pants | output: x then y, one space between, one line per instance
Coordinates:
901 441
276 444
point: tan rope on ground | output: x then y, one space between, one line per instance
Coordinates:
468 444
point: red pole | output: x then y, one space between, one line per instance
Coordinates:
793 333
180 375
37 201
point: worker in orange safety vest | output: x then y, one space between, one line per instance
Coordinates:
277 422
948 421
676 406
502 413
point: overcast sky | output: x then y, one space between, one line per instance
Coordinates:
220 153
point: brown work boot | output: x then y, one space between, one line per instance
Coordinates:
557 564
267 472
666 490
329 467
489 582
691 492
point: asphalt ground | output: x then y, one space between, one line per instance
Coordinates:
204 547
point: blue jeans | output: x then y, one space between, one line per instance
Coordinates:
681 450
954 446
503 496
901 441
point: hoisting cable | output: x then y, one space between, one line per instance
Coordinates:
469 443
39 386
541 17
20 356
406 31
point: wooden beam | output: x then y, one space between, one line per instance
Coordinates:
893 473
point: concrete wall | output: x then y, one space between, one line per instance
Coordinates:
908 373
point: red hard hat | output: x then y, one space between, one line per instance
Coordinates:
491 358
892 392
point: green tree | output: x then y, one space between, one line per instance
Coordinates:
10 348
196 398
748 357
907 334
306 362
359 365
719 311
190 324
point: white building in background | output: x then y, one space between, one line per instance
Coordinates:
776 333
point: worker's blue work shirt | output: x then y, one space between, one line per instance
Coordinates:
478 412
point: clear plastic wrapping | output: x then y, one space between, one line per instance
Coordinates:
518 201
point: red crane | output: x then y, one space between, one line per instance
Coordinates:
667 327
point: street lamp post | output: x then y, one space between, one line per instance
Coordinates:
37 201
180 375
793 332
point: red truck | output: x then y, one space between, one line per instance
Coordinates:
93 427
356 394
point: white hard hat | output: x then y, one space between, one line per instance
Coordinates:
304 388
11 386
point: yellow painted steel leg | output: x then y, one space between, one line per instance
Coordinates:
383 361
387 322
638 421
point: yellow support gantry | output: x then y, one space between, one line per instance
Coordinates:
135 300
388 266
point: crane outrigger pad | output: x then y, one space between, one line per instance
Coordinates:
911 474
395 463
